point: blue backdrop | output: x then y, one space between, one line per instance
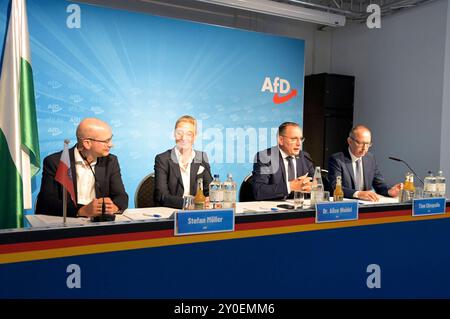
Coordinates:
140 73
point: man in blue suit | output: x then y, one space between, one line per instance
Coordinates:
283 169
359 169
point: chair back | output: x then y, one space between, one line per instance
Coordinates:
144 192
246 190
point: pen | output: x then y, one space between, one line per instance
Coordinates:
152 215
303 176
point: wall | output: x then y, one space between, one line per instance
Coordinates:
399 72
445 131
317 43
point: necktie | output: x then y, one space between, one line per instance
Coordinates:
291 170
358 177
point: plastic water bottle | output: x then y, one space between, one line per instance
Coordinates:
429 185
215 193
440 185
317 186
229 192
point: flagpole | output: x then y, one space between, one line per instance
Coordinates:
66 143
64 205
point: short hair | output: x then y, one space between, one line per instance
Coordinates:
355 128
188 119
282 128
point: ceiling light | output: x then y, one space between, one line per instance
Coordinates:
283 10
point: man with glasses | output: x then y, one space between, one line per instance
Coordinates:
359 169
283 169
95 174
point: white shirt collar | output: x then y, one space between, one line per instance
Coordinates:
178 154
79 159
284 155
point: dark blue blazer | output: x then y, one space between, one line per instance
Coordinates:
341 164
269 174
169 187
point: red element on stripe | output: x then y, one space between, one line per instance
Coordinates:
282 99
83 241
126 237
64 175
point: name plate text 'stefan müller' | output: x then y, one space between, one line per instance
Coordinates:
203 221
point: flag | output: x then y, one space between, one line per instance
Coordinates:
19 143
64 174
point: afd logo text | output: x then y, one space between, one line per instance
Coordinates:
279 86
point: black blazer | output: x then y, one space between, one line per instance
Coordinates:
169 187
109 184
341 164
269 174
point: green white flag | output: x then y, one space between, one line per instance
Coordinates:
19 143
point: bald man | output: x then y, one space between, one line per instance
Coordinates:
91 155
361 177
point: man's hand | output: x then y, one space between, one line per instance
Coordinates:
94 208
368 195
394 191
301 184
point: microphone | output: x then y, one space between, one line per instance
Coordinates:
400 160
306 155
103 217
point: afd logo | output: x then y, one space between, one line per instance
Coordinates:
281 86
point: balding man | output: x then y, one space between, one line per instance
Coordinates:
361 177
89 157
283 169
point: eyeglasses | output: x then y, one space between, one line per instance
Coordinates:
107 141
361 144
295 139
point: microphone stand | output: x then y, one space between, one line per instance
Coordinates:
103 217
400 160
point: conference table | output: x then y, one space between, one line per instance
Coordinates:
271 253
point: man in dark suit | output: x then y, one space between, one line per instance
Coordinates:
88 157
359 169
178 169
283 169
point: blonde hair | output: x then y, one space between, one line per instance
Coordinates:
188 119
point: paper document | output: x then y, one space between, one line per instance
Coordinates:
149 213
54 221
261 206
382 200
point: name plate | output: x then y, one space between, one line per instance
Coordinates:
428 206
188 222
336 211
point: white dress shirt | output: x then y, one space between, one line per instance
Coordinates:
286 165
354 158
85 179
185 171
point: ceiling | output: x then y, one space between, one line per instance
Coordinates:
355 10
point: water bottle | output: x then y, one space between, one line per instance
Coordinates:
229 192
215 193
429 185
440 185
317 186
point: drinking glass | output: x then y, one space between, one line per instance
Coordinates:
298 200
188 202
